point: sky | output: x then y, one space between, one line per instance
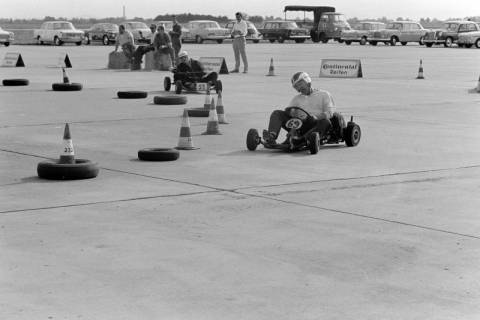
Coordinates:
413 9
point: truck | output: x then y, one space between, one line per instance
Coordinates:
58 33
327 24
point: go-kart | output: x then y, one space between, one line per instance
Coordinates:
191 82
302 135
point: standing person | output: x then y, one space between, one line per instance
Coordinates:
319 103
163 48
239 32
126 41
176 35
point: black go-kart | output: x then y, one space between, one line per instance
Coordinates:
302 135
191 82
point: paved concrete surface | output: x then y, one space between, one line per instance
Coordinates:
385 230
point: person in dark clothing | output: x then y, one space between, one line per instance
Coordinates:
190 71
142 50
163 48
176 35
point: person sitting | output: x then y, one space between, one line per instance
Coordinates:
190 71
163 49
318 103
126 42
142 50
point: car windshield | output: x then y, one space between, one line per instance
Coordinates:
397 26
212 24
290 24
451 26
138 25
63 26
110 27
338 18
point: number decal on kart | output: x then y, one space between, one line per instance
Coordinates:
201 86
294 123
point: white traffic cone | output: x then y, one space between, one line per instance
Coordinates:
420 71
185 141
68 154
220 109
271 69
208 98
212 125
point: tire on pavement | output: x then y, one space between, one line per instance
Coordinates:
132 94
15 82
67 86
198 112
81 169
173 99
158 154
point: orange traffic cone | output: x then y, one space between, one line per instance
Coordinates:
185 141
68 155
65 78
212 125
420 71
220 110
208 98
271 69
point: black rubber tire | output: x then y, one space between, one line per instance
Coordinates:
219 40
363 41
352 134
477 43
373 43
429 44
158 154
314 142
393 41
468 46
253 139
448 42
67 86
81 169
173 99
178 87
198 112
105 40
271 40
404 43
132 94
15 82
348 42
167 83
218 86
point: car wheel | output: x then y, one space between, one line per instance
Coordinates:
105 41
404 43
256 41
198 39
54 170
313 142
421 41
363 41
253 139
271 40
373 43
220 41
393 41
281 39
448 42
469 45
178 87
477 43
6 44
429 45
461 45
78 43
348 42
299 40
56 41
352 134
167 83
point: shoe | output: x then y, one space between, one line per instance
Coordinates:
245 71
234 71
269 137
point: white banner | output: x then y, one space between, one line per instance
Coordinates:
341 68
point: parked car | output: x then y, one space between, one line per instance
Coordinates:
6 37
283 30
361 32
450 32
140 31
58 33
468 39
104 32
400 31
252 32
201 30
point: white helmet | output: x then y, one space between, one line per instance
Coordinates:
301 76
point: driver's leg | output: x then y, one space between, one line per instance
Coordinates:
323 126
277 119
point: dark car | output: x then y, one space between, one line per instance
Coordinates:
104 32
449 34
283 30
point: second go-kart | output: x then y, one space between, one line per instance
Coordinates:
191 82
302 134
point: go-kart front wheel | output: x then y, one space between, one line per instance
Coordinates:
167 83
352 134
218 86
253 139
314 142
178 87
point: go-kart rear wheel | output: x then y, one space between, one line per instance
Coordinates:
178 87
352 134
167 83
218 86
313 142
253 139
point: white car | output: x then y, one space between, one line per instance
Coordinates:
200 30
58 33
6 37
140 31
468 39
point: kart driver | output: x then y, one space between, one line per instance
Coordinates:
190 71
318 103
